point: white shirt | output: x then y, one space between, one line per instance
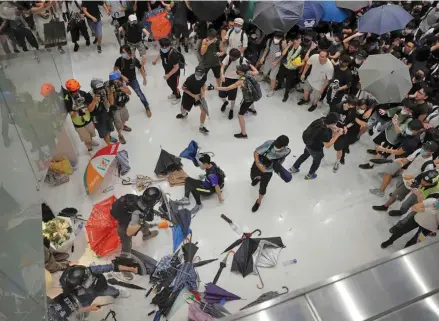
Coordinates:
429 219
416 163
115 8
231 70
319 73
235 40
74 8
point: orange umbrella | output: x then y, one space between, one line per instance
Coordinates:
98 166
157 22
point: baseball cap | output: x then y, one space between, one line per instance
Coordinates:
199 71
132 17
361 55
239 21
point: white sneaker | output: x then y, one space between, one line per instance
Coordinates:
175 100
270 93
183 201
336 167
171 96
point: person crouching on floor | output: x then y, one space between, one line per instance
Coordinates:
213 183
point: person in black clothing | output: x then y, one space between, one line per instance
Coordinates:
347 113
421 108
101 114
77 26
322 132
134 32
354 65
407 53
93 14
171 64
340 83
194 90
179 28
126 65
211 50
336 48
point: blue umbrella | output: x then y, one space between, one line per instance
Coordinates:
190 152
332 13
178 236
312 14
384 19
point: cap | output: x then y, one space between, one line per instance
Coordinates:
199 70
361 54
429 176
239 21
132 17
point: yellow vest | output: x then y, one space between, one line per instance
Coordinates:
80 120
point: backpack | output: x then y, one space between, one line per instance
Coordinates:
254 87
241 60
221 176
182 60
310 134
242 36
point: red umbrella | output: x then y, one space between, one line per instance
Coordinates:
102 228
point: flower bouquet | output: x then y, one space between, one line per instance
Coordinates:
59 231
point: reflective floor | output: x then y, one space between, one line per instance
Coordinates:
326 224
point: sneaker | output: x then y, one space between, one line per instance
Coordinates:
122 140
231 114
95 41
342 161
240 135
255 206
386 244
16 51
224 105
312 108
256 181
395 213
309 176
76 47
270 93
285 98
293 170
336 167
127 275
61 50
150 235
365 166
370 131
126 128
377 192
372 151
148 112
303 102
196 208
171 96
94 143
253 111
210 87
181 116
175 100
99 49
87 42
183 201
380 208
203 130
113 140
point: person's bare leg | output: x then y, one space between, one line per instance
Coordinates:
362 131
143 60
386 181
273 84
99 40
306 94
202 117
218 83
241 120
390 201
259 200
107 139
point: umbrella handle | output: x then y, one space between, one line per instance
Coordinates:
127 181
260 279
257 230
286 290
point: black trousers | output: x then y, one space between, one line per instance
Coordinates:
77 29
317 156
173 84
23 34
264 178
290 77
406 225
195 186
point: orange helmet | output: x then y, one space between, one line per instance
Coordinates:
47 89
72 85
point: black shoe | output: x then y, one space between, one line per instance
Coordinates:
231 114
347 150
342 161
370 131
87 42
16 51
186 49
312 108
203 130
256 181
180 116
223 107
395 213
210 87
380 208
285 98
179 49
95 41
372 151
253 111
303 102
240 135
25 49
392 229
386 244
365 166
76 47
99 49
255 206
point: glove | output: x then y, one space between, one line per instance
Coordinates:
126 261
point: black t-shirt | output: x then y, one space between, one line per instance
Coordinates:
420 109
73 103
170 59
324 136
194 85
407 58
119 212
316 134
410 144
93 8
333 49
133 32
180 13
340 79
128 67
347 116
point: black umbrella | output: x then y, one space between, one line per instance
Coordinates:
244 236
223 264
208 10
125 284
148 262
265 297
189 250
167 163
202 263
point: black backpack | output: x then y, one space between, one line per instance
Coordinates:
181 60
313 130
218 172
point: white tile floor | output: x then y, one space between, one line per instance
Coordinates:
326 224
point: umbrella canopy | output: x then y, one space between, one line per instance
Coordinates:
158 23
353 5
385 77
312 14
182 220
197 314
98 166
167 163
102 228
208 10
113 281
215 294
223 264
186 277
190 152
332 13
271 16
384 19
189 250
265 297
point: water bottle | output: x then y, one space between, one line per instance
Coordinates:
289 262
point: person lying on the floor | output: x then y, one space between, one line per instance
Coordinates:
213 183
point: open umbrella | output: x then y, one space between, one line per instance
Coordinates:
265 297
266 255
353 5
312 14
384 19
239 241
215 294
158 23
332 13
271 16
208 10
98 166
167 163
385 77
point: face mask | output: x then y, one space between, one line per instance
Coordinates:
276 41
419 76
164 50
237 29
423 153
125 56
408 132
358 61
360 111
199 77
278 149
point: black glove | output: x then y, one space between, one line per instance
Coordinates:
126 261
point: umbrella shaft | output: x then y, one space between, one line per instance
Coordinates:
218 274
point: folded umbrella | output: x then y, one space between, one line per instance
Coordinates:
197 314
271 16
189 250
332 13
312 14
124 284
282 172
204 106
223 264
265 297
353 5
178 236
215 294
186 277
123 164
381 161
167 163
384 19
202 263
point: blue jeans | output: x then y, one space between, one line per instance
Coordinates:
136 87
317 156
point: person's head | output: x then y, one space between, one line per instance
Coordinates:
428 148
47 90
234 54
414 127
353 46
281 142
125 52
409 28
429 178
331 119
337 38
76 277
351 102
237 24
115 77
407 107
344 62
360 57
409 46
205 161
419 75
297 40
277 37
437 7
165 45
97 85
241 70
230 24
423 93
132 19
199 73
211 34
72 86
323 56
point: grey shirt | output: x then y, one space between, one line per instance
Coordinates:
392 136
429 20
272 154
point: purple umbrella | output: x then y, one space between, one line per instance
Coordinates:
215 294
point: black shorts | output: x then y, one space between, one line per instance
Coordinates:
104 125
340 143
180 30
187 102
231 94
381 140
216 71
245 106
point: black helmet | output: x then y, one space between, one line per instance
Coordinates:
149 198
74 277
